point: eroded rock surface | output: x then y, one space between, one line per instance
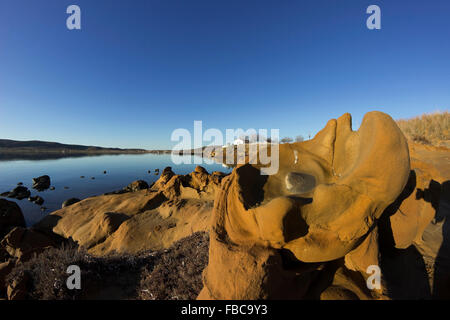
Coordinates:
341 203
278 236
174 207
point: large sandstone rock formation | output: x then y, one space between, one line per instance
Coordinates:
129 222
313 225
340 203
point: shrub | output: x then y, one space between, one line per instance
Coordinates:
431 128
174 273
177 274
287 140
47 273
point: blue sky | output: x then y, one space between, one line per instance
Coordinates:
139 69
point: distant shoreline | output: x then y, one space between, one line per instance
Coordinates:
31 151
12 149
6 154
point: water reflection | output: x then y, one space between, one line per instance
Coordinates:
65 174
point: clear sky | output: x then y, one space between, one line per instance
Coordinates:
139 69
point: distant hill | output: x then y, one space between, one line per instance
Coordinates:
5 143
45 145
27 149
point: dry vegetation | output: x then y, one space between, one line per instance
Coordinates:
177 274
174 273
433 129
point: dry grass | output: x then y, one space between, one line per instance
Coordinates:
433 128
174 273
46 273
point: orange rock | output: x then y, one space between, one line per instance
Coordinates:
322 203
140 220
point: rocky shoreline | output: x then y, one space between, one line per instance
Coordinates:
246 236
189 198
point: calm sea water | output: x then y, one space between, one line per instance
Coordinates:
66 172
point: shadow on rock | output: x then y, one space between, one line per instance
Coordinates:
440 200
403 270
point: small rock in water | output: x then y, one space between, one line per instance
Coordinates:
43 208
82 177
148 171
18 193
37 200
66 188
104 172
52 188
92 178
41 183
20 184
